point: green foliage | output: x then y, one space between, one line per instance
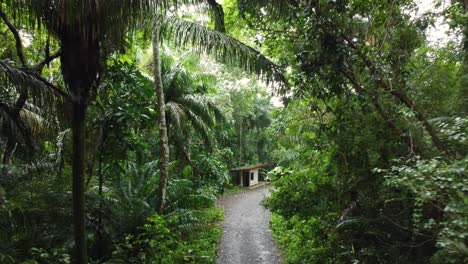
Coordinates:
296 192
224 48
277 173
197 247
159 242
55 256
130 202
441 185
304 240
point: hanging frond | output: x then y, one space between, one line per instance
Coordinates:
25 123
198 104
43 94
224 48
199 125
35 121
10 75
215 110
108 20
176 113
218 14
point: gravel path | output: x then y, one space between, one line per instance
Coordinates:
246 235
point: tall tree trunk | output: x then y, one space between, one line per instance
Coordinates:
78 129
463 87
163 139
80 65
218 14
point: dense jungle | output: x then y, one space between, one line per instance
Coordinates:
122 122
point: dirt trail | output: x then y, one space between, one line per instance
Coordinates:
246 235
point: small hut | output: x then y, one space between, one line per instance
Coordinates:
248 175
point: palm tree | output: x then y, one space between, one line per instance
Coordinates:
186 99
83 28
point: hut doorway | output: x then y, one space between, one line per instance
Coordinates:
245 178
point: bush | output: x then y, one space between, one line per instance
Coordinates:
304 240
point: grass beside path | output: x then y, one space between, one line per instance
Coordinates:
233 190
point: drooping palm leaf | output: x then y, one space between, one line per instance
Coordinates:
224 48
176 113
198 124
43 94
111 18
199 105
24 124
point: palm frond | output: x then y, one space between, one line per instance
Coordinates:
185 205
105 19
176 113
199 125
187 221
25 123
216 111
180 195
10 75
176 81
56 16
439 120
43 94
35 122
198 105
132 196
224 48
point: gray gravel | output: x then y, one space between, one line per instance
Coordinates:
246 235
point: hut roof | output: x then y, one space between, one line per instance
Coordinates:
249 167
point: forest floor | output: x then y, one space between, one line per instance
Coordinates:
246 237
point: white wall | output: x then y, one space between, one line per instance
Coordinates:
253 181
255 177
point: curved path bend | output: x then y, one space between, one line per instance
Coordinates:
246 237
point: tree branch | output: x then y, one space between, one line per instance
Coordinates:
401 96
55 89
14 31
38 67
374 99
